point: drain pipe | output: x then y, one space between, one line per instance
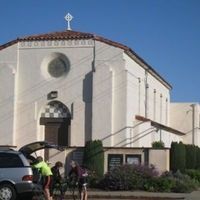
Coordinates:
193 123
146 93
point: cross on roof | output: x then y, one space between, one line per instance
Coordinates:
68 18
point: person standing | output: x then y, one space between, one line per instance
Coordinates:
80 177
46 173
56 177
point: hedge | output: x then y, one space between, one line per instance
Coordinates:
177 156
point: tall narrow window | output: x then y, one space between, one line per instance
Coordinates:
154 105
166 112
139 95
147 100
161 107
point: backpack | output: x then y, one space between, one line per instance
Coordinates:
83 172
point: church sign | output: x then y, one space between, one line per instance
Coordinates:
114 160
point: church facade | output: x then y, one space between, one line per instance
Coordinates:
71 87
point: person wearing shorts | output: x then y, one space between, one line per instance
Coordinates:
80 178
46 173
56 177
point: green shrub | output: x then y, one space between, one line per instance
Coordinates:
190 156
197 158
128 177
177 156
184 183
158 144
159 184
140 177
93 157
194 174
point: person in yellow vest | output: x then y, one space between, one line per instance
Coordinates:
46 173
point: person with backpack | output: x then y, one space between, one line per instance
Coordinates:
80 177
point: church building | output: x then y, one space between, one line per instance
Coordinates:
71 87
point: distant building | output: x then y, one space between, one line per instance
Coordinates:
186 118
71 87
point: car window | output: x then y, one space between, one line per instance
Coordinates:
9 160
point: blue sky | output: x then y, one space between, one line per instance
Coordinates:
165 33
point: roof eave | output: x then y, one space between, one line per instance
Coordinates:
147 67
159 126
8 44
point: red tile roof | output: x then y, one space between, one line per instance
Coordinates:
64 35
74 35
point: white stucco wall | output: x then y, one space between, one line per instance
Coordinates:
152 104
8 63
160 159
109 96
34 85
158 108
102 81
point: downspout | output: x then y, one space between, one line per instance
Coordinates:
15 98
92 87
193 123
94 57
146 93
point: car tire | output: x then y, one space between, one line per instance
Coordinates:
7 192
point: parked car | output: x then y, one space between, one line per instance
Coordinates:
16 175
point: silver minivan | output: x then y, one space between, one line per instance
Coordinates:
16 175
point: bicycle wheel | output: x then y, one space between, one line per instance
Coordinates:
37 193
74 192
38 196
57 192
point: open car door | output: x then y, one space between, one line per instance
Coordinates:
28 149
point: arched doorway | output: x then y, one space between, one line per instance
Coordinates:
56 118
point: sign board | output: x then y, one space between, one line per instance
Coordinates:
133 159
114 160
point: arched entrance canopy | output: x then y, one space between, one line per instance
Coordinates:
56 118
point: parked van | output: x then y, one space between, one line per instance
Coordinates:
16 175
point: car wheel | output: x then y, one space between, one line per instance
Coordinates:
7 192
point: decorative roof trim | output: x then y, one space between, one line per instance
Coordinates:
74 35
159 126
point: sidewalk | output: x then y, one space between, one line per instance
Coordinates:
101 194
135 195
193 196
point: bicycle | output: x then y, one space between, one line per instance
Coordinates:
68 187
38 194
79 189
71 188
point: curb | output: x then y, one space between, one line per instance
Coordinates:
110 196
133 197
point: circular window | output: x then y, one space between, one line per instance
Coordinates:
57 67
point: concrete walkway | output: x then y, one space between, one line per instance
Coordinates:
100 194
135 195
193 196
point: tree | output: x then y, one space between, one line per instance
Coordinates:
94 157
190 156
177 156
